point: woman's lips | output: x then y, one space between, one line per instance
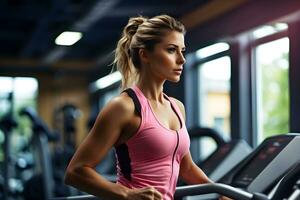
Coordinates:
178 71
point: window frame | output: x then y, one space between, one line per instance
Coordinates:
253 44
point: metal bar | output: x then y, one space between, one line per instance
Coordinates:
182 191
80 197
219 188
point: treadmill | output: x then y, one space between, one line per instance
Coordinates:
270 172
227 154
262 170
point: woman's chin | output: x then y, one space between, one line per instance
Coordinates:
174 79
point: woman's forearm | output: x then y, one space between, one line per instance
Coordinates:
88 180
194 175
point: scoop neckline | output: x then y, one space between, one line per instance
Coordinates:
154 115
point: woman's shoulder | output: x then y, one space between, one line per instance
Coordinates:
119 108
121 103
179 104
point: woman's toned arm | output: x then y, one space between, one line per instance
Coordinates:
105 133
190 172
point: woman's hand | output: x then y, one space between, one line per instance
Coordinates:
147 193
224 198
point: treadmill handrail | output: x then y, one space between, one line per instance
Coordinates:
182 191
209 188
200 132
79 197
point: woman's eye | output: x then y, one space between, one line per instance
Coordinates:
171 50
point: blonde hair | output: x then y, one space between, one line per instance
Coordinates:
141 32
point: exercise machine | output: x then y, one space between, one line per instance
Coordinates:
270 172
41 135
225 157
262 170
7 124
287 182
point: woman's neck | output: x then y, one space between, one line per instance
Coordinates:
152 90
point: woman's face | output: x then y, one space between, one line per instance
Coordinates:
166 60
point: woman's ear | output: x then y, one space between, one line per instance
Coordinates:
144 57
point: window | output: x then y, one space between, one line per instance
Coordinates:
272 88
16 93
214 90
269 30
214 72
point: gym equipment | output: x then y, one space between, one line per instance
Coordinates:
268 173
43 189
65 119
287 182
225 157
282 190
267 164
7 123
261 170
199 132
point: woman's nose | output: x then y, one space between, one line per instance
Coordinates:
181 59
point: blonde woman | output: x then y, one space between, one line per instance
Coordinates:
144 125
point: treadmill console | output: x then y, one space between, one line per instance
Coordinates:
262 158
216 158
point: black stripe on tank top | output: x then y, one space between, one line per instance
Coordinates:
124 160
122 149
137 104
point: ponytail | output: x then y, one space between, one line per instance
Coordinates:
123 59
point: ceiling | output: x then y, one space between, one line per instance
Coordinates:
29 28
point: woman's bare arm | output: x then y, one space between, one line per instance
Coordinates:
190 172
104 134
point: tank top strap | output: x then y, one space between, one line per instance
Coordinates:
176 108
140 95
137 105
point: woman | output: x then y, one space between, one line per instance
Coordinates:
145 126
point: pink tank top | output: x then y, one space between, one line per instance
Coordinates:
152 156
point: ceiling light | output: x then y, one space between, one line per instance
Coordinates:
68 38
212 49
107 80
